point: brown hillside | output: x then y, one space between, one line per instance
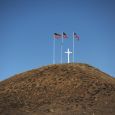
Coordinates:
65 89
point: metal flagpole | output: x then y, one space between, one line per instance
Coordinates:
62 49
54 50
73 47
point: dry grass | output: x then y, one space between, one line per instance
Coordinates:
66 89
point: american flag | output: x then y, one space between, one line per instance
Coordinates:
65 35
76 36
57 36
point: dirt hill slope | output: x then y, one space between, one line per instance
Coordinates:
65 89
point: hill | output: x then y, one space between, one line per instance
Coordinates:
64 89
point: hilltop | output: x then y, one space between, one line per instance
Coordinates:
62 89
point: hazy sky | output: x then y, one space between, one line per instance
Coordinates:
27 26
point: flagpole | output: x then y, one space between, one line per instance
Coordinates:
73 47
62 49
54 50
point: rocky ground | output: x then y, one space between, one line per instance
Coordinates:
64 89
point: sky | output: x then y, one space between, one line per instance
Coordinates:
27 27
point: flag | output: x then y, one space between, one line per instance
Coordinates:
64 35
76 36
57 36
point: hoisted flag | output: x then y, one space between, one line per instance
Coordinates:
57 36
76 36
64 35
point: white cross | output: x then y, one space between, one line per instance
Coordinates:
68 52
